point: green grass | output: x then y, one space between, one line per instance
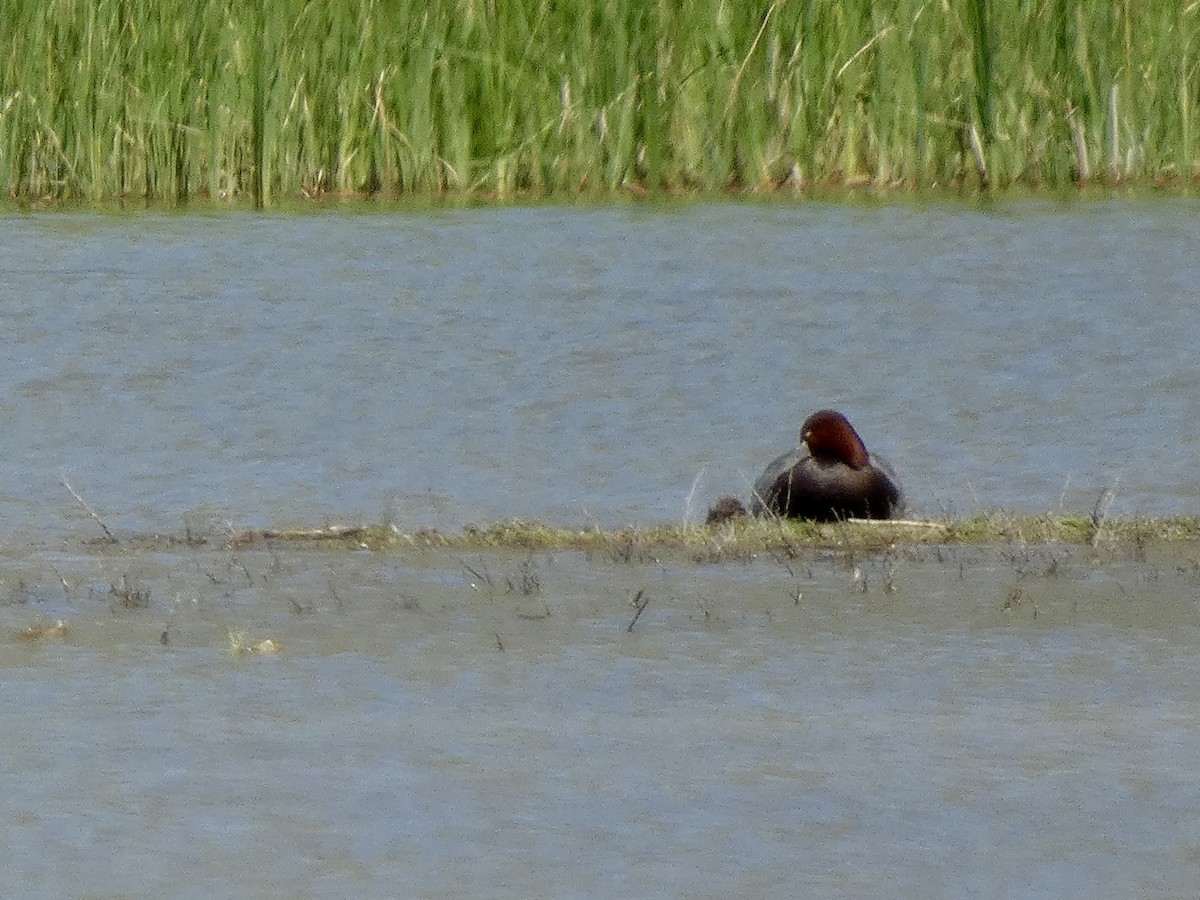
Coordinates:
263 100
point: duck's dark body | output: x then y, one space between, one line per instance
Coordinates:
799 486
829 476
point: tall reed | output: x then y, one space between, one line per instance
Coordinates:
258 100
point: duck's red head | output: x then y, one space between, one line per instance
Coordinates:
830 436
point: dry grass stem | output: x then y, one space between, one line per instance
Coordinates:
88 509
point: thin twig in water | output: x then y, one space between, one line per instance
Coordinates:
483 576
1062 497
529 583
235 563
691 498
1100 511
639 602
87 508
301 607
129 595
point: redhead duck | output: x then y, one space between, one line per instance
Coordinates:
829 476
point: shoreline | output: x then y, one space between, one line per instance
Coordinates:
852 193
702 543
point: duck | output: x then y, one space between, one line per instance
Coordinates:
829 477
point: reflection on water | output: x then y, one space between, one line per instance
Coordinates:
1015 721
589 365
444 726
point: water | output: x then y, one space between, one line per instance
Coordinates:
584 366
767 727
1005 721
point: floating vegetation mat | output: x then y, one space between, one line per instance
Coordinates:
242 645
517 585
706 543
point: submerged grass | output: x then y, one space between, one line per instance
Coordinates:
743 537
272 99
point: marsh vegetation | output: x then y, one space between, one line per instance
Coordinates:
711 543
279 99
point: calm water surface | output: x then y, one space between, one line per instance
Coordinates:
1007 722
767 728
590 365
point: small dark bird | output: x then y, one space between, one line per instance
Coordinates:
724 509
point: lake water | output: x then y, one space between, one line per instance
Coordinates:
588 365
1007 721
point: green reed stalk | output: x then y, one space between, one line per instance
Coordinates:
272 99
